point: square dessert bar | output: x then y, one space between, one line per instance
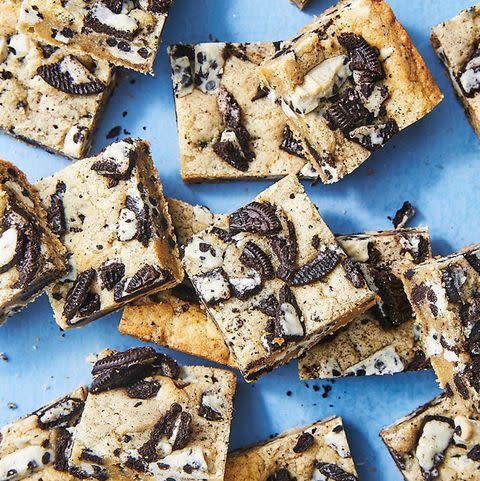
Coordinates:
111 215
31 256
438 441
348 83
384 340
159 421
444 293
456 42
317 452
35 448
274 279
47 96
121 32
174 318
227 127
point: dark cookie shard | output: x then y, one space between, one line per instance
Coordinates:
159 6
186 292
353 273
89 456
394 307
417 246
473 258
291 144
257 218
436 452
253 256
334 473
114 5
175 425
60 413
143 389
305 441
143 278
141 220
374 136
166 366
115 169
70 76
56 212
78 293
286 251
122 369
316 270
460 381
281 474
90 305
29 264
268 306
288 318
111 274
101 19
62 447
347 112
207 408
470 315
474 453
363 57
403 215
418 362
453 277
144 356
234 144
261 93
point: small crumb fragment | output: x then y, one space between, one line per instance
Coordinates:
403 215
12 406
3 357
114 132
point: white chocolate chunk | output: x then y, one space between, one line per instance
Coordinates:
24 461
118 21
384 361
290 321
8 246
212 287
209 62
127 225
21 44
338 442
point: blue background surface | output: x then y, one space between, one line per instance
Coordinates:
433 164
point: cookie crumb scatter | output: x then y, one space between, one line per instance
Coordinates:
114 132
12 406
3 357
326 390
289 393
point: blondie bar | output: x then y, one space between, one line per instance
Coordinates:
110 213
174 318
274 279
31 256
439 441
444 294
123 33
315 453
158 420
47 96
456 42
35 448
227 127
386 339
348 83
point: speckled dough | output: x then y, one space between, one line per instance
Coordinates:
201 125
304 454
175 318
236 271
31 256
127 36
34 448
312 73
114 445
110 213
456 42
444 293
439 441
386 339
35 109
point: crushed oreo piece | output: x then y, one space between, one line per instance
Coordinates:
175 425
346 112
403 215
208 407
316 270
59 413
29 263
286 251
70 76
474 453
261 93
473 258
143 389
334 473
281 474
213 287
90 305
268 306
159 6
166 366
144 277
469 76
305 441
253 256
291 144
62 447
374 136
101 19
353 273
453 277
111 274
56 212
78 293
257 218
